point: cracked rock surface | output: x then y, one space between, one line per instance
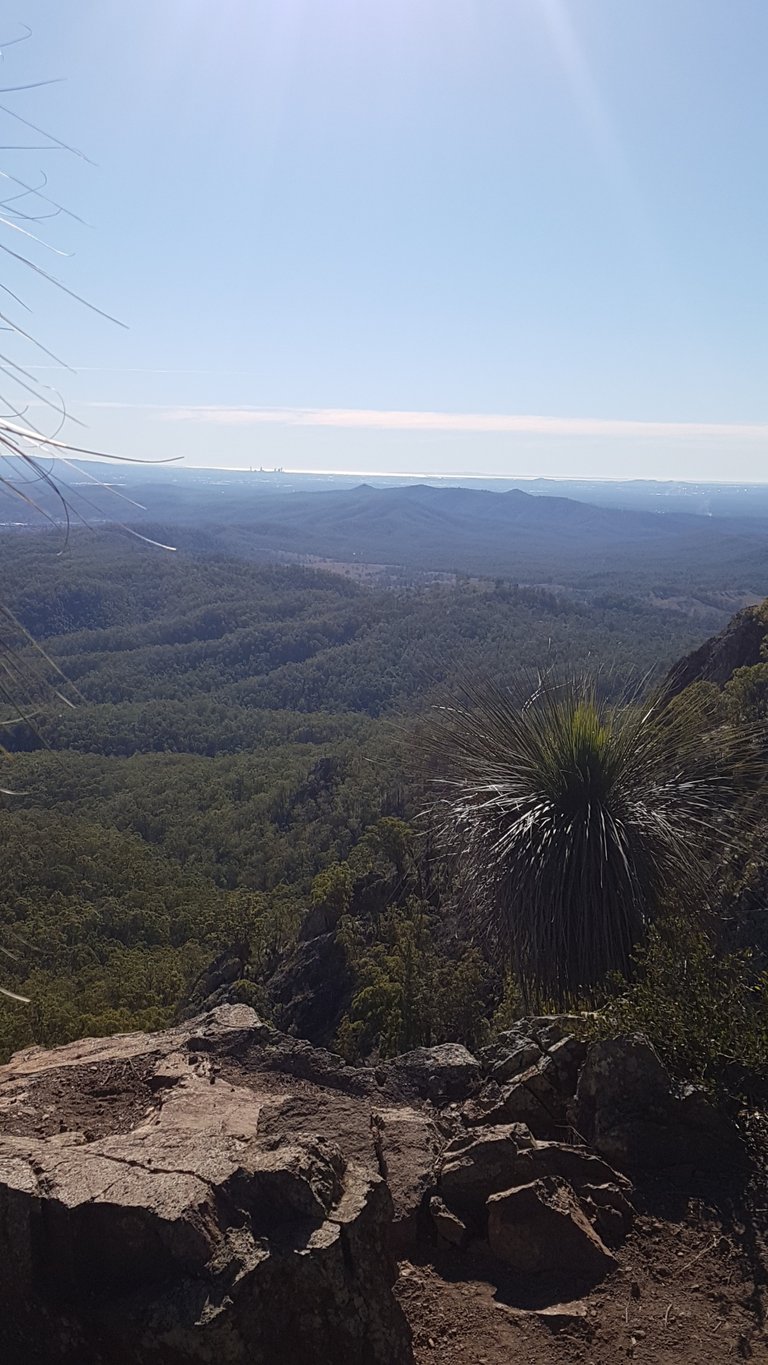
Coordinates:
217 1222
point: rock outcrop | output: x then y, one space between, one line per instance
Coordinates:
739 645
629 1109
541 1207
541 1229
445 1072
408 1144
222 1192
532 1071
231 1222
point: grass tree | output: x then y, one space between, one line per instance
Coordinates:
576 819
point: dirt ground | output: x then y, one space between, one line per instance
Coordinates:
689 1289
96 1100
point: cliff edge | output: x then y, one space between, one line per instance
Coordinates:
221 1192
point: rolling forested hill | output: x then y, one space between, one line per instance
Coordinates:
236 730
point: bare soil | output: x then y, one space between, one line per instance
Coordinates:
689 1290
96 1100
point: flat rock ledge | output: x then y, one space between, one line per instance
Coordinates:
203 1220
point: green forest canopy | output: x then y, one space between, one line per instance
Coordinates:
239 729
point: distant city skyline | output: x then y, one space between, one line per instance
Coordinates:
522 239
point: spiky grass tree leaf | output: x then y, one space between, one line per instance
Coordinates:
575 818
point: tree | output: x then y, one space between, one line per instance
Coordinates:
576 820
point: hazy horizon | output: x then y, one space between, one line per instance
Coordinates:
180 465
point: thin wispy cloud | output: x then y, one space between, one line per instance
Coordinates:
128 369
375 419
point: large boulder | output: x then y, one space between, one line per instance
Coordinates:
541 1229
442 1073
531 1073
487 1162
534 1097
479 1164
508 1056
628 1107
408 1145
538 1096
196 1219
522 1045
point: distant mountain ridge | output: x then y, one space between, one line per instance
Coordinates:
515 535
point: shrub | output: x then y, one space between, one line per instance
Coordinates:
706 1014
575 819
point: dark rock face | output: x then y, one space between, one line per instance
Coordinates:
319 920
214 985
312 989
567 1058
213 1230
629 1109
738 646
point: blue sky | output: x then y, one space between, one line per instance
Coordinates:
500 236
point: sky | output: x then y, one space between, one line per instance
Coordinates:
512 237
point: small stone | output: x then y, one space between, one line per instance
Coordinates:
446 1223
